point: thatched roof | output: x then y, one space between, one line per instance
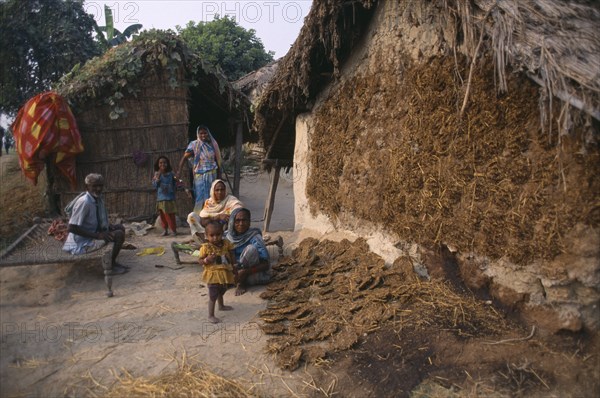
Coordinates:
120 73
254 83
330 31
555 43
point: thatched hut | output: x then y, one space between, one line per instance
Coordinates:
467 128
141 100
254 83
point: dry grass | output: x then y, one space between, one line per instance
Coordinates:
31 363
20 200
190 380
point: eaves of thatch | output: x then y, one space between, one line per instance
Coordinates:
555 43
330 32
120 73
254 83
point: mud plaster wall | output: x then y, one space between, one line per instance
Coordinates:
385 155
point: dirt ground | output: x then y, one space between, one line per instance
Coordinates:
62 337
372 331
334 322
20 200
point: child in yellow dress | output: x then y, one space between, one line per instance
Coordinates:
218 259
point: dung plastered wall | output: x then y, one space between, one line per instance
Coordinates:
385 155
380 241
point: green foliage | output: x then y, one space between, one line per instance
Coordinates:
223 43
118 72
113 36
40 40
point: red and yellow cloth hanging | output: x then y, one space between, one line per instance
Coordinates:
46 128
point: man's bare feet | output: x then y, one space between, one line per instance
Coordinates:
239 290
214 319
225 308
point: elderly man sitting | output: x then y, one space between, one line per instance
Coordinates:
89 229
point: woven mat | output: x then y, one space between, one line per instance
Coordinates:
37 247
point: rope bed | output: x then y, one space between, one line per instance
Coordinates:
36 247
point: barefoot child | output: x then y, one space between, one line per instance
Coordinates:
218 259
166 184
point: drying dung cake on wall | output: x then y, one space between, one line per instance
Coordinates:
470 129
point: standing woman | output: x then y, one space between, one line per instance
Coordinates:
206 159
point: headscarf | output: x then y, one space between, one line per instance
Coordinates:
213 208
240 239
214 143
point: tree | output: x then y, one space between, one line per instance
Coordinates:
40 40
222 42
113 36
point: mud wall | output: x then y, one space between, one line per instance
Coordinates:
389 158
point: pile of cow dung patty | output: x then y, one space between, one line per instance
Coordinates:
328 295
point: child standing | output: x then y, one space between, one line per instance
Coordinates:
218 259
166 184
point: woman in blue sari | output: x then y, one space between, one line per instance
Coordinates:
206 161
251 255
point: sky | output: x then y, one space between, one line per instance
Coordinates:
276 22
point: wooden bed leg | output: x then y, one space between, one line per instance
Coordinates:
107 266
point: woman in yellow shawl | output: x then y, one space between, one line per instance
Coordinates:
217 207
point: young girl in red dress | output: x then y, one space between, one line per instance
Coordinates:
165 182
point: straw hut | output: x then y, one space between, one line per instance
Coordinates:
254 83
467 129
141 100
